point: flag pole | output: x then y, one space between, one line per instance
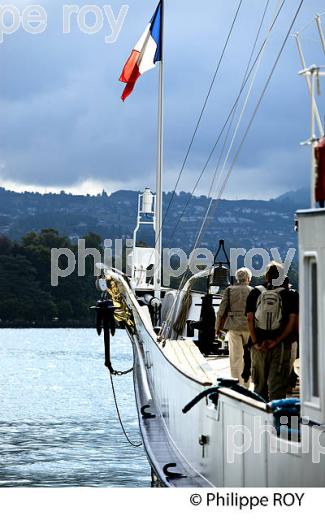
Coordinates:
158 231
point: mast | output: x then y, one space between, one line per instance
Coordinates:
320 30
312 75
308 81
158 226
312 139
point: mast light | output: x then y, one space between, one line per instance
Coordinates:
147 201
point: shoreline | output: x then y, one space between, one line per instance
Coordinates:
47 325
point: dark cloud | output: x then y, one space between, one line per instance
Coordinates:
63 123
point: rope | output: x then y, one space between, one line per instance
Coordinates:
254 113
229 127
250 123
310 23
210 196
206 101
198 121
134 444
223 186
231 114
181 319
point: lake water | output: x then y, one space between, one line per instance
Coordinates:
58 424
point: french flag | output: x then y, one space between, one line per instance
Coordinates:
145 54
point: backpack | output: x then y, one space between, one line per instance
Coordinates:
269 309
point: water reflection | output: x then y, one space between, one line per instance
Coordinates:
60 426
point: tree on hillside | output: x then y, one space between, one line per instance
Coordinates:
47 238
93 240
5 245
25 280
21 296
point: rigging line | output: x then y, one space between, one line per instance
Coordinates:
241 90
183 279
208 94
212 186
277 13
200 118
310 23
230 146
226 122
230 125
245 135
223 186
227 155
134 444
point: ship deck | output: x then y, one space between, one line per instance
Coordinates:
187 358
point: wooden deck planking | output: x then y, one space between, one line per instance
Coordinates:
186 356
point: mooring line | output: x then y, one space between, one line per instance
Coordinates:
134 444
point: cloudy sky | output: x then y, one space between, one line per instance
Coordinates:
63 125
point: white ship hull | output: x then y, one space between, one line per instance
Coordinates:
276 462
242 447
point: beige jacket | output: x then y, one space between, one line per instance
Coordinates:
231 312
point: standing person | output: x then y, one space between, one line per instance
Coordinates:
272 313
231 316
292 380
